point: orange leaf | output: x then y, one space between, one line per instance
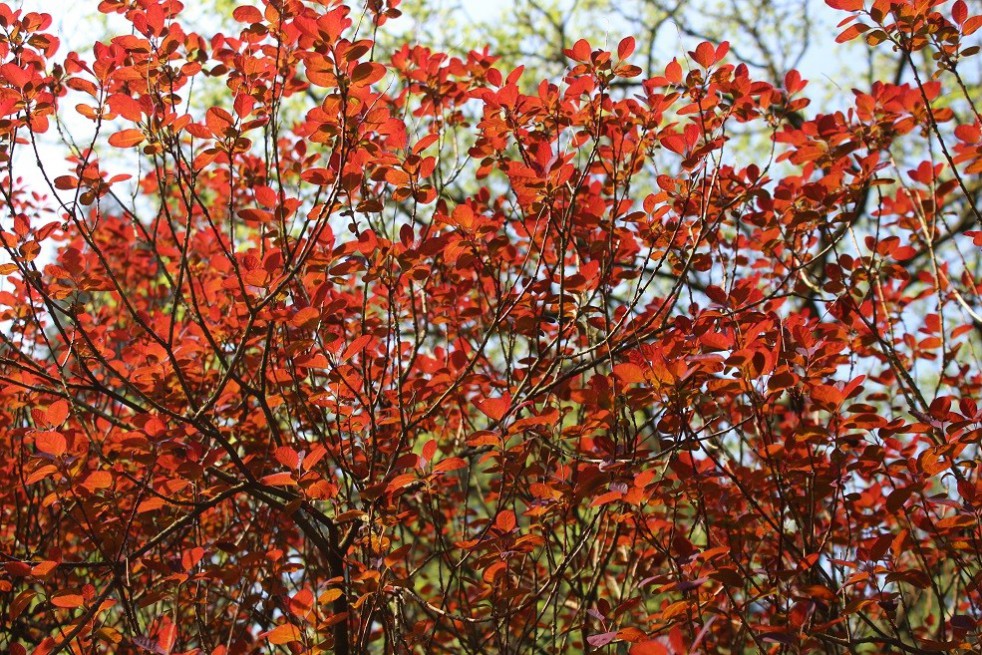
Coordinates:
42 569
67 601
305 318
604 499
41 473
126 138
98 480
400 481
329 596
629 373
492 571
971 25
51 443
322 75
283 634
302 603
505 521
150 505
827 396
284 479
367 73
449 464
57 413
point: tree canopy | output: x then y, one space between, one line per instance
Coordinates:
318 339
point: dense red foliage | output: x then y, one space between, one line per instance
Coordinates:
417 356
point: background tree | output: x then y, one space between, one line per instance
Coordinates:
309 352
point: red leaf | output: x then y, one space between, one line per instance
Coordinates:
626 47
969 132
313 457
851 32
66 182
15 75
721 50
150 505
491 573
792 81
429 449
959 11
319 176
673 72
305 318
580 50
704 54
126 106
190 558
287 456
846 5
827 396
247 15
284 479
903 253
629 373
494 408
505 521
167 636
515 75
46 646
57 413
243 105
218 120
355 347
651 647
